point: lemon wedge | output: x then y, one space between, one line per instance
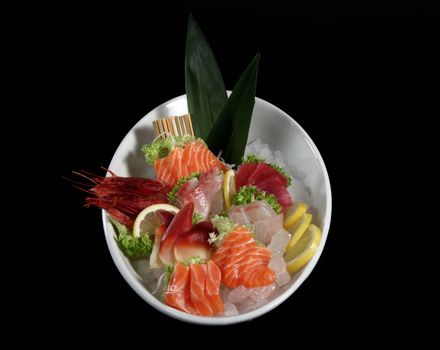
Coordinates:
301 253
147 220
298 230
292 219
228 187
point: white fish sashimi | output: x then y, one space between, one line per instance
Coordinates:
278 265
250 213
184 193
279 242
230 309
247 299
264 221
238 215
217 205
224 294
202 195
265 229
262 293
238 294
246 305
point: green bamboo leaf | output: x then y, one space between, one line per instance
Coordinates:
205 89
230 131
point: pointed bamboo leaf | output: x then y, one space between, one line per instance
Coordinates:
230 131
205 89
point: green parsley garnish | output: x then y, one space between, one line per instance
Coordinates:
133 248
250 194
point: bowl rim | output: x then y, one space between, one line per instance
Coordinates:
140 289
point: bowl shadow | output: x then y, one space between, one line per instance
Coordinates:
135 160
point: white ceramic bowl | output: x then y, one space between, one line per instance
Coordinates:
273 127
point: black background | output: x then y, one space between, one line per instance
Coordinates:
79 77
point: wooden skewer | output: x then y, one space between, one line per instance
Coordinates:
173 126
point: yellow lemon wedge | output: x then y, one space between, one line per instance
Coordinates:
228 187
301 253
298 230
298 212
147 220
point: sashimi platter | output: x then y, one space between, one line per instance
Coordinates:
221 219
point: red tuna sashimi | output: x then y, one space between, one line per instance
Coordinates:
253 173
265 178
274 186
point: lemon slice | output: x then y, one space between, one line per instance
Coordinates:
147 220
228 187
301 253
292 219
298 230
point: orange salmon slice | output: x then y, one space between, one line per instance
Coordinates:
242 262
180 162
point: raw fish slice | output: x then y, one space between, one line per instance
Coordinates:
253 173
258 277
263 171
180 162
279 191
254 211
242 262
238 294
202 194
265 178
213 288
244 171
178 293
230 310
260 216
259 172
278 265
279 242
217 205
262 293
186 189
198 297
238 215
246 305
166 172
265 229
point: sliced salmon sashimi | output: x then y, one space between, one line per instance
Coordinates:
242 262
180 162
196 289
212 288
178 293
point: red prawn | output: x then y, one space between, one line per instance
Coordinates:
122 197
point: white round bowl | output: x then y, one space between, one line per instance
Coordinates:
272 126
